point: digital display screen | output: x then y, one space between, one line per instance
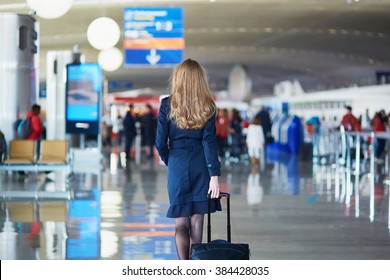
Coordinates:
83 91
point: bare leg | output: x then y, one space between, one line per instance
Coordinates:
182 237
196 232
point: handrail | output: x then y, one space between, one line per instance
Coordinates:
345 165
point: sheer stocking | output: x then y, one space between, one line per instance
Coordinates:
189 230
182 237
196 232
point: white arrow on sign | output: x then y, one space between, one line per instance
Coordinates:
153 58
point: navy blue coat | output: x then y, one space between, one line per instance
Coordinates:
191 156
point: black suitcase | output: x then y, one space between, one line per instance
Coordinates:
219 249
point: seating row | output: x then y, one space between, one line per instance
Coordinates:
24 155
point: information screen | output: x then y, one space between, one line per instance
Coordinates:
83 91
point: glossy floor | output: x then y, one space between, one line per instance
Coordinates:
287 209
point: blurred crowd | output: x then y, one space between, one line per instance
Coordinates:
121 130
239 137
378 122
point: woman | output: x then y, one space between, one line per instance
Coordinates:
255 142
186 143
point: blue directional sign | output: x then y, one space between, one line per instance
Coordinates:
161 57
117 85
153 36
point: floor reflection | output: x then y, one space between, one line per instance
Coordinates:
118 212
83 225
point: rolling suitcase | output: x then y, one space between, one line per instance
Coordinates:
219 249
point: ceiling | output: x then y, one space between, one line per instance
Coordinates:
321 43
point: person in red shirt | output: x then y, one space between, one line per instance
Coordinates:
222 131
350 122
35 123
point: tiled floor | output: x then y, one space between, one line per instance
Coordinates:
286 210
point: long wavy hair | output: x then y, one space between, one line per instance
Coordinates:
192 102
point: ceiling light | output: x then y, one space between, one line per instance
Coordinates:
103 33
50 9
110 59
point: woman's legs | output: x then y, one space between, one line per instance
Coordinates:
196 232
182 237
189 230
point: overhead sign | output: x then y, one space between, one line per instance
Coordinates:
119 85
153 36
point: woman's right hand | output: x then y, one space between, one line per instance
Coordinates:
214 187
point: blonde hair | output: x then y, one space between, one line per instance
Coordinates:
192 103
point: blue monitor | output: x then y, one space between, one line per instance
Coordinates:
83 91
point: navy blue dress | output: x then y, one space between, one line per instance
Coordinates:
191 156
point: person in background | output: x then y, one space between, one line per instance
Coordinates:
117 128
222 131
349 121
106 128
35 123
255 143
120 129
388 122
149 126
129 131
3 147
265 119
365 121
36 128
313 125
379 126
235 133
187 144
334 123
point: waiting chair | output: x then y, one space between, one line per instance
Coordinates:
21 152
53 152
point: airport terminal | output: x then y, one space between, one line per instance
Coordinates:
76 183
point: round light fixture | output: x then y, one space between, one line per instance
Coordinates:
110 59
50 9
103 33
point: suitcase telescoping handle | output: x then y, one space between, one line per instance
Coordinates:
229 237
